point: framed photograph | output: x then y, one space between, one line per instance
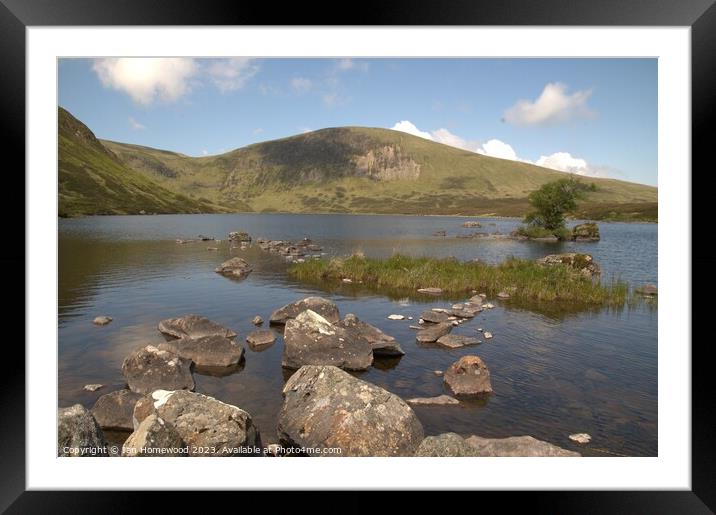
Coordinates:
405 247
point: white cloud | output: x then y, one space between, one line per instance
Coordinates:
448 138
233 73
565 162
258 130
204 152
135 125
146 79
351 64
301 84
497 148
410 128
554 105
330 99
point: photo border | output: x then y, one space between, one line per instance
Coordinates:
700 15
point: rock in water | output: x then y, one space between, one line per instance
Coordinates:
207 426
487 335
324 307
468 376
396 317
155 438
102 320
241 236
310 339
260 339
526 446
580 438
434 317
440 400
455 341
114 410
581 262
586 232
470 224
444 446
78 433
150 369
430 291
257 320
432 332
194 326
382 344
325 407
92 387
648 290
205 351
234 267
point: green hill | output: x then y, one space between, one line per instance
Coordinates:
362 170
93 180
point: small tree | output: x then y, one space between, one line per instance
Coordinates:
554 200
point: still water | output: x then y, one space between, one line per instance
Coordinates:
555 371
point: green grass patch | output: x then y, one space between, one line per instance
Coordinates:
526 280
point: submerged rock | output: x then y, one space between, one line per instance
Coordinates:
468 376
432 332
580 262
102 320
207 426
382 344
455 341
324 307
440 400
235 267
78 433
310 339
205 351
260 339
155 438
194 326
586 232
151 368
114 410
325 407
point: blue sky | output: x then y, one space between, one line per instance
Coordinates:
593 117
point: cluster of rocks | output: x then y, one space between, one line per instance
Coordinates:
585 232
471 224
236 268
291 250
583 263
240 237
436 323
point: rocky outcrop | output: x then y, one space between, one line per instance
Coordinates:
433 332
207 426
290 250
114 410
78 433
235 268
381 343
583 263
150 369
453 445
468 376
260 339
194 326
387 163
205 351
324 307
154 438
585 232
325 407
310 339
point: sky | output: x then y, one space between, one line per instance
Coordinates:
592 117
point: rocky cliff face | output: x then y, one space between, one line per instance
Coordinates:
387 163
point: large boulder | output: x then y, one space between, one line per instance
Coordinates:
583 263
325 407
155 438
78 433
382 344
235 267
310 339
207 426
586 232
194 326
526 446
468 376
151 368
114 410
205 351
433 332
324 307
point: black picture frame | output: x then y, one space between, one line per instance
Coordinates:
700 15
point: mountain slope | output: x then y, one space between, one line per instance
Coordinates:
92 180
370 170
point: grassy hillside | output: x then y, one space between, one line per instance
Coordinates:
92 180
369 170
